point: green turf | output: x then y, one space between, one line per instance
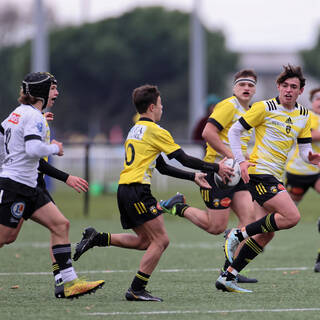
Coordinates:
184 278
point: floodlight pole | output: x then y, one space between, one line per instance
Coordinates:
197 66
40 57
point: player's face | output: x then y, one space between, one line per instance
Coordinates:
289 92
244 90
316 103
53 94
158 109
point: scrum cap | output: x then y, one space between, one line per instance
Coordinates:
37 85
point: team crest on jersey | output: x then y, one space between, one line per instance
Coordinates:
225 202
17 209
216 203
281 187
288 126
14 118
273 189
39 126
153 210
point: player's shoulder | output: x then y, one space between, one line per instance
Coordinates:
228 103
303 110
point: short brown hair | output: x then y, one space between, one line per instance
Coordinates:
291 72
26 98
143 96
313 92
245 73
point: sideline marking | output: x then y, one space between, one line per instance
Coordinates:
196 312
161 270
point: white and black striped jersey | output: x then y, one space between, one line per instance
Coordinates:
25 123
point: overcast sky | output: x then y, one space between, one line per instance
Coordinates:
263 25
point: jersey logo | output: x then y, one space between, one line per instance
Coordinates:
137 132
289 121
17 209
39 126
272 105
14 118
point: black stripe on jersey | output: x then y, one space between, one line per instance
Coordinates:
32 137
304 140
244 124
303 111
1 129
271 104
216 123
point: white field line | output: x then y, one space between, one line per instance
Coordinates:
196 312
161 270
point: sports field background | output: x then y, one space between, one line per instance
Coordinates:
287 289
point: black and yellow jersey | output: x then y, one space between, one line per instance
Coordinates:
145 141
276 131
296 165
224 115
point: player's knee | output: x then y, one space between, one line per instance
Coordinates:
61 227
293 220
164 242
216 230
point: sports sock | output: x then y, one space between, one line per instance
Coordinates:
264 225
247 253
62 255
318 257
226 265
140 281
102 239
56 274
181 208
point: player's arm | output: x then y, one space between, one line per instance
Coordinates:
234 136
211 135
198 178
195 163
74 182
2 153
51 171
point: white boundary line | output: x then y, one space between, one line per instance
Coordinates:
196 312
161 270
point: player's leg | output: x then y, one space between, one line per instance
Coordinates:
49 216
317 264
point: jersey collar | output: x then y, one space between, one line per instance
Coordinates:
278 101
145 119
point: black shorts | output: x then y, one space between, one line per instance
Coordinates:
19 201
136 205
217 198
42 185
263 187
299 184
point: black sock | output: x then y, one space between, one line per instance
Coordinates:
56 273
226 265
318 258
140 281
62 255
102 239
181 208
264 225
247 253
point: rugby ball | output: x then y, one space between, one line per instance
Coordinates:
234 180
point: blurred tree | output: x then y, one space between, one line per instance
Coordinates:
311 59
98 65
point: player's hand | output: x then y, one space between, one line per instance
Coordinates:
49 116
59 144
200 180
244 165
77 183
225 171
314 158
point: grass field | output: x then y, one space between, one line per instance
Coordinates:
287 289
